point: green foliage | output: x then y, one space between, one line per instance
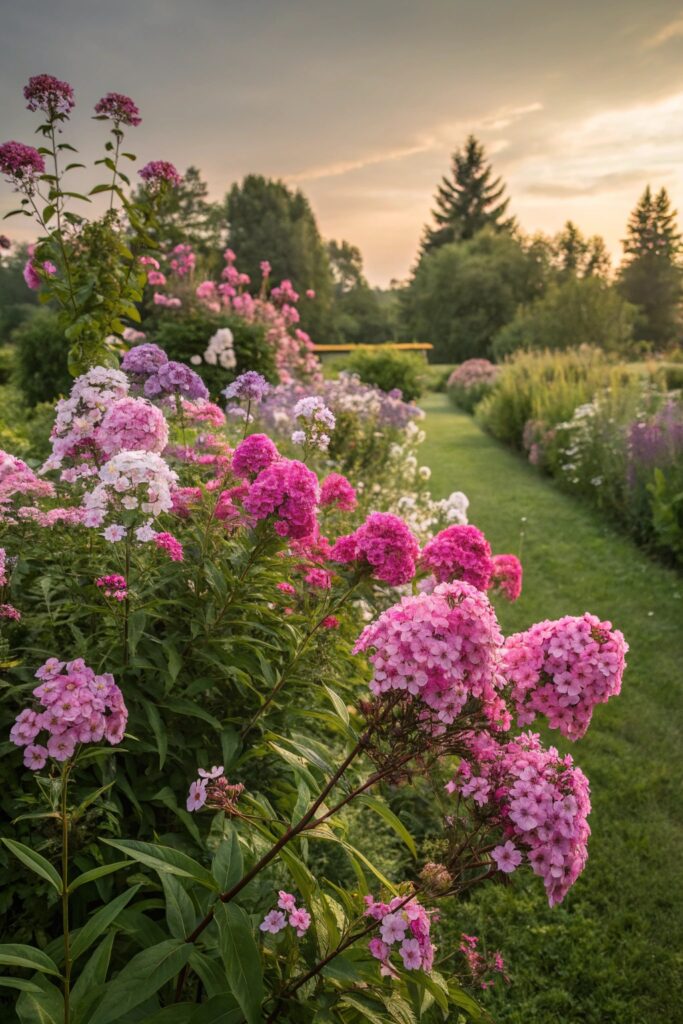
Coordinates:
17 301
185 333
462 294
541 386
360 314
386 368
650 276
186 215
268 221
577 311
469 201
41 370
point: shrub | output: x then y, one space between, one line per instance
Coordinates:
186 334
41 369
470 382
387 369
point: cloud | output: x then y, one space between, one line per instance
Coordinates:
672 30
335 170
602 183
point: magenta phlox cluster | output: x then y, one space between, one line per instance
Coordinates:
74 706
113 586
170 545
404 928
541 801
132 424
474 373
21 165
171 379
337 492
562 669
16 478
383 544
8 611
183 259
459 553
287 913
184 500
255 453
507 576
289 491
118 108
441 648
158 173
74 433
49 95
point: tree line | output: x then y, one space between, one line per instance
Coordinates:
479 286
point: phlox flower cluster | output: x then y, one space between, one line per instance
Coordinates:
254 453
118 108
171 545
53 517
21 165
337 492
132 482
143 360
220 350
248 387
459 553
473 373
113 586
173 379
541 802
479 964
31 275
50 95
133 336
507 576
77 707
4 577
442 648
287 914
316 422
404 927
203 412
562 669
213 790
8 611
384 545
16 478
288 490
167 301
74 433
159 173
183 259
132 424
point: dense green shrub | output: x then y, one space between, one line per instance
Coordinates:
578 311
186 334
387 369
41 357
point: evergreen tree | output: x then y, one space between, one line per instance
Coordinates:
467 201
359 315
650 276
268 221
187 215
577 256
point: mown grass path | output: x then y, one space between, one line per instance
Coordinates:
613 952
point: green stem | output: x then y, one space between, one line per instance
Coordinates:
58 211
126 604
65 892
116 164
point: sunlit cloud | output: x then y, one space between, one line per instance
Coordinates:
335 170
672 30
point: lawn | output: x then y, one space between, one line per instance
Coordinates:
613 952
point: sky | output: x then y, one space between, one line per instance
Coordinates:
361 102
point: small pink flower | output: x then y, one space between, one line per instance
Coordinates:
301 920
35 756
197 795
410 954
507 857
212 773
114 533
273 922
286 901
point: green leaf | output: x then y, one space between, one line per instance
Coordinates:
99 922
166 860
180 912
176 1013
227 866
100 188
391 819
211 974
375 870
21 983
88 988
35 862
157 727
43 1007
338 704
13 954
371 1010
136 626
95 873
241 959
142 976
399 1010
220 1009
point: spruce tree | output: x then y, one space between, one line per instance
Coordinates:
650 276
468 201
